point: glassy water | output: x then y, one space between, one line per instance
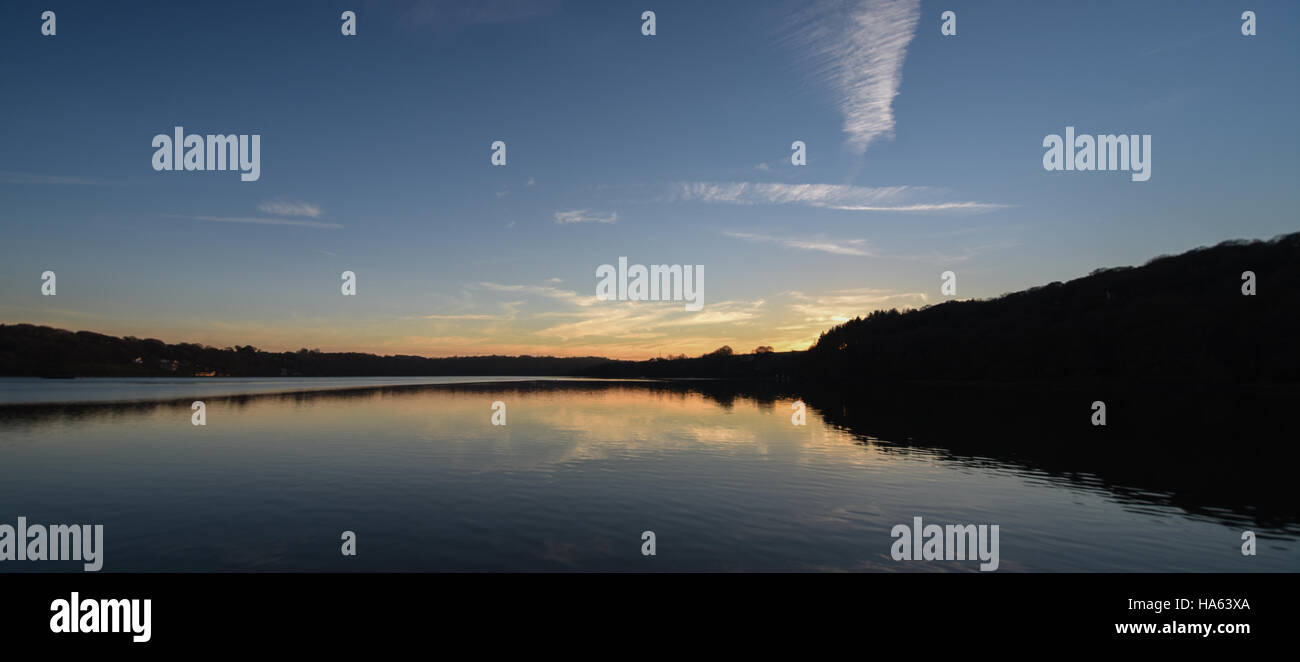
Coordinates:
578 473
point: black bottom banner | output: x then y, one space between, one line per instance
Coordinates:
142 613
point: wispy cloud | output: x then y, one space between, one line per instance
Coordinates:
928 206
285 208
826 196
840 247
837 306
631 320
540 318
583 216
543 291
264 221
572 315
860 247
858 47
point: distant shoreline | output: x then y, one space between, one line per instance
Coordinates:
1197 317
172 390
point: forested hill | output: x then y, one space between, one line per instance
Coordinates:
1177 319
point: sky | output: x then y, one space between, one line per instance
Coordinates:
924 154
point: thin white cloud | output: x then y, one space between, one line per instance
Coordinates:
840 247
744 193
726 312
265 221
580 316
935 206
825 196
539 318
583 216
838 306
860 247
284 208
543 291
858 47
643 320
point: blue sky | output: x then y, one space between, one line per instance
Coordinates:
375 159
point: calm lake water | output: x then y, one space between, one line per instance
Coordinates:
581 469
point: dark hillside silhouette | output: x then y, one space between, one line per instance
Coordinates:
1175 320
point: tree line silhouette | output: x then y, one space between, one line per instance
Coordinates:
1176 319
43 351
